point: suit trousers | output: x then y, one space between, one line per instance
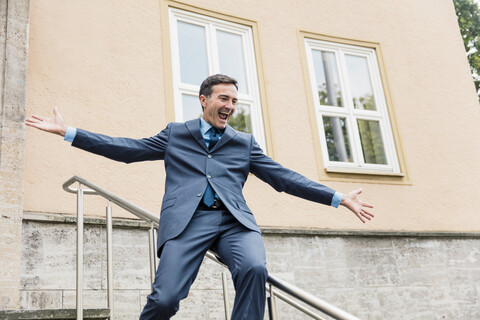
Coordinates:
241 249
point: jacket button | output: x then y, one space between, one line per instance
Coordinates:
209 176
199 194
209 156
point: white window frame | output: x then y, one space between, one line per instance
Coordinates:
211 25
350 113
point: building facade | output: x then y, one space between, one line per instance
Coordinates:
353 94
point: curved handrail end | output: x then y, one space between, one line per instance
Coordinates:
67 185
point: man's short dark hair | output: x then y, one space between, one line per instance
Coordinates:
207 85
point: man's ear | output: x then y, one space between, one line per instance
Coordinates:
203 101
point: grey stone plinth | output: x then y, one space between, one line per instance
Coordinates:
392 276
60 314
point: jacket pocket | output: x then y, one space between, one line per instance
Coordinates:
243 206
167 204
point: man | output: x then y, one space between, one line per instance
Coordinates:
207 163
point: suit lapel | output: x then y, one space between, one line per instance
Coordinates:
228 134
194 127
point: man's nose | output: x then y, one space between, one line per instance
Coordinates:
230 105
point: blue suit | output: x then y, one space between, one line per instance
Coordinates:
183 227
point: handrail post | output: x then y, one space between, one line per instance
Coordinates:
79 300
273 303
225 295
152 252
109 259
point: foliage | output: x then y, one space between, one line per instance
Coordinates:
365 103
323 97
241 120
338 143
468 15
337 139
371 139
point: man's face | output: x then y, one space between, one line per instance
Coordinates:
220 106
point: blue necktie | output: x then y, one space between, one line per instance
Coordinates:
209 195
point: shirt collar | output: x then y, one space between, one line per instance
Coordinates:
204 126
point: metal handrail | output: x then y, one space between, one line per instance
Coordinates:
127 205
273 284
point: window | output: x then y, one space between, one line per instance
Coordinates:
202 46
352 117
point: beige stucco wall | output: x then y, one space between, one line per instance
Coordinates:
102 64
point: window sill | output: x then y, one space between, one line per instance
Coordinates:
365 172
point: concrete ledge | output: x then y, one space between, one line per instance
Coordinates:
133 223
63 218
53 314
369 233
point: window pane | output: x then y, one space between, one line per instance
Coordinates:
337 139
372 143
192 108
360 82
326 74
241 119
193 53
231 59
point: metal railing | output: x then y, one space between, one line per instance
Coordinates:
276 288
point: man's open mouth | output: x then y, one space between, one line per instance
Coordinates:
223 115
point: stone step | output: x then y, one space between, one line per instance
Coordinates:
97 314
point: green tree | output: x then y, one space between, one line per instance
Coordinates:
241 120
468 15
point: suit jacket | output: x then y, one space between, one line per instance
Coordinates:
190 166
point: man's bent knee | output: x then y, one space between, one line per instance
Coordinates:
257 270
162 307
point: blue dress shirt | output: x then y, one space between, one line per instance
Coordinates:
204 127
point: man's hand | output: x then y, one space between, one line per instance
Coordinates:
357 206
53 125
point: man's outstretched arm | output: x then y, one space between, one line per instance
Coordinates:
285 180
53 125
116 148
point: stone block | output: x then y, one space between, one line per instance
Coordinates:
126 304
131 263
367 267
285 311
203 304
414 256
49 258
463 261
462 301
35 300
210 276
321 258
92 299
200 304
143 299
10 251
406 302
361 302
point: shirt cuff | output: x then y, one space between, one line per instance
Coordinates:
70 134
337 198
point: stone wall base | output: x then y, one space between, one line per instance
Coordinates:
372 277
